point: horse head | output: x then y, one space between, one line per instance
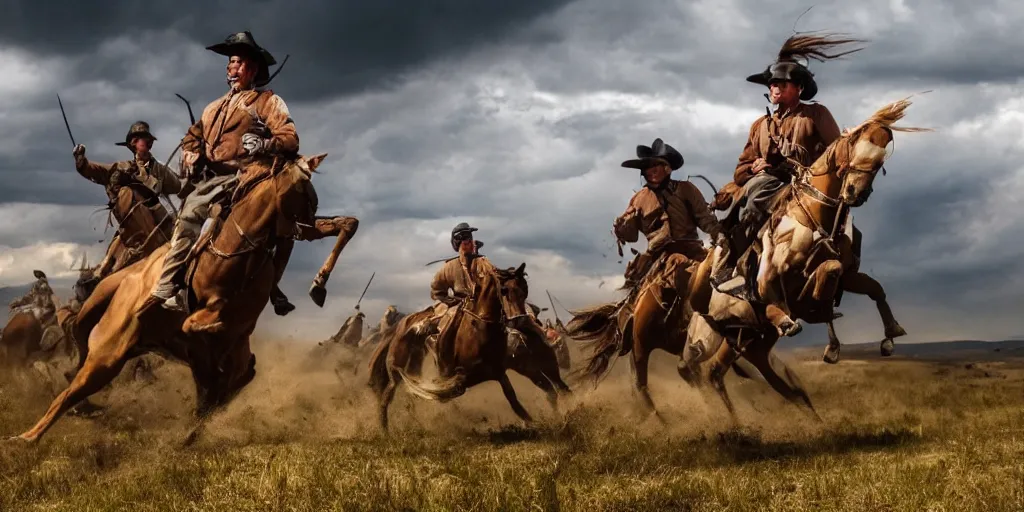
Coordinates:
514 291
861 152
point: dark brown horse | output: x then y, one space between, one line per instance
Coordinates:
475 345
142 225
232 272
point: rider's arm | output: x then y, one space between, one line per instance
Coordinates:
94 172
191 142
283 138
169 183
440 285
627 225
703 217
750 153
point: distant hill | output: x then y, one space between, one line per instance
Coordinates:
934 351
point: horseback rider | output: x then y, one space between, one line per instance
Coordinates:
668 212
245 128
779 146
156 177
38 301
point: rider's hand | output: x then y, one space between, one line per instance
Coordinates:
759 166
79 153
188 161
253 143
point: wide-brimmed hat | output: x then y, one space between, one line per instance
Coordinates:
138 129
39 274
657 153
791 63
242 43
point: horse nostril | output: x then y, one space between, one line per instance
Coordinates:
850 190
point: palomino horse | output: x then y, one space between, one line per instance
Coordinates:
806 260
652 316
476 344
232 273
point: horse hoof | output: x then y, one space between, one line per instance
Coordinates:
790 328
887 347
831 355
318 293
283 308
895 331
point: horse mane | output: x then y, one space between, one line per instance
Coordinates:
887 116
816 46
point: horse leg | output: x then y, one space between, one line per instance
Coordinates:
342 227
107 356
282 253
779 376
785 325
207 319
832 350
863 284
510 395
640 360
218 384
720 364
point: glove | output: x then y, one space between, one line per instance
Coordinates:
79 154
254 144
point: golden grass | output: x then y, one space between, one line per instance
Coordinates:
897 435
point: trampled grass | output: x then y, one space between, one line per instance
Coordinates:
896 435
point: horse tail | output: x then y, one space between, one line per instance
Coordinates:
452 387
599 328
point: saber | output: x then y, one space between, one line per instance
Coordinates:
364 290
553 310
191 116
714 189
66 125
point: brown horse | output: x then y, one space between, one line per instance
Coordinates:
806 260
476 343
20 337
143 225
232 272
651 317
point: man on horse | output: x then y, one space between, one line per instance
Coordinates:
456 280
38 301
779 146
156 179
668 212
247 126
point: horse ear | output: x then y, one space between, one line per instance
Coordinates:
314 161
521 269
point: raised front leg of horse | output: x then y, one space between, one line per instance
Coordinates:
863 284
342 227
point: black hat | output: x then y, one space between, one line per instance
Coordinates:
788 71
242 43
138 129
460 228
803 47
657 153
39 274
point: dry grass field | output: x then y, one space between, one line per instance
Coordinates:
897 434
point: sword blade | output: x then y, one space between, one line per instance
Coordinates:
66 125
364 290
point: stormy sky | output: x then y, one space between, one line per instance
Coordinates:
515 116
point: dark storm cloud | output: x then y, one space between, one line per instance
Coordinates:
515 117
339 46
